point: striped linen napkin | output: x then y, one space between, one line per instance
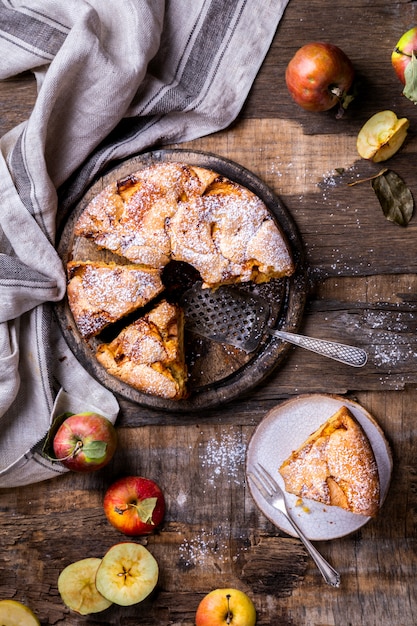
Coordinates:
113 79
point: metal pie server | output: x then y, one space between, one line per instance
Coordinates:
238 318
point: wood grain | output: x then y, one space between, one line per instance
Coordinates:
362 289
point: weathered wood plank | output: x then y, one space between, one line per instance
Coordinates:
362 290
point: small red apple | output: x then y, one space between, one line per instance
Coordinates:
85 442
404 62
134 505
319 76
221 607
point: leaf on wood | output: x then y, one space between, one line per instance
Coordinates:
410 76
394 197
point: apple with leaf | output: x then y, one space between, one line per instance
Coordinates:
135 505
404 62
320 76
82 442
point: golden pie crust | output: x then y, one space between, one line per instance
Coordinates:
148 354
173 211
101 293
335 466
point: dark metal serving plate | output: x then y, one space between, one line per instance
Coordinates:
218 372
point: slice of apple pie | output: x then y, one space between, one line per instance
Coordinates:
101 293
149 353
335 466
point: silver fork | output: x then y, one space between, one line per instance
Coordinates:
273 494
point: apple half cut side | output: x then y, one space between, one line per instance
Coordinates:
128 573
13 613
77 587
382 136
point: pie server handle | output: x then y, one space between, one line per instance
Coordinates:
350 355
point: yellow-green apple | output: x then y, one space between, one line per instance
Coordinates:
77 587
320 76
381 136
128 573
14 613
226 606
134 505
85 442
404 62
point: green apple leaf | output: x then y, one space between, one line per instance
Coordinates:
47 448
410 75
145 509
94 449
394 197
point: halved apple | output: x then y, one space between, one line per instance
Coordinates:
381 136
127 574
13 613
77 586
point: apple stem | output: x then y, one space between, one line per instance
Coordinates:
336 91
120 510
74 452
365 180
398 51
229 613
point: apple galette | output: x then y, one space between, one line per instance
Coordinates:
335 466
166 212
149 354
102 293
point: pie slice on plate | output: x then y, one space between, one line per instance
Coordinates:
335 466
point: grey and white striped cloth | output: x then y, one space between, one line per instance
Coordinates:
113 79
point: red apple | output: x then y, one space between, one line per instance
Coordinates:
402 53
226 606
134 505
319 76
404 62
85 442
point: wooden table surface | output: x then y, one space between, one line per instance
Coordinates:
362 290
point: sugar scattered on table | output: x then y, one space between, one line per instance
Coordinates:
224 456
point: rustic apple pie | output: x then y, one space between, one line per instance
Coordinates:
165 212
191 214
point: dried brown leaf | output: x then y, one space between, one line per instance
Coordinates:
394 197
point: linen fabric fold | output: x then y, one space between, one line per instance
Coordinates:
113 79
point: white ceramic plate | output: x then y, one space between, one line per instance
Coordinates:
283 430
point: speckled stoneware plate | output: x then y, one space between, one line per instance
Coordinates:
283 430
218 373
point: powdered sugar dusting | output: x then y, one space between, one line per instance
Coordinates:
224 457
166 212
202 549
390 337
